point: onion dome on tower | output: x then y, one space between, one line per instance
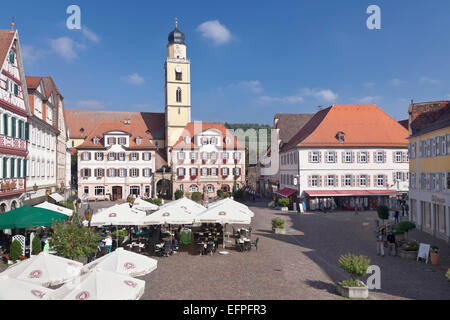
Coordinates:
176 36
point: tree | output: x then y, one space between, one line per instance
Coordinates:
36 245
196 196
356 266
15 250
178 194
383 212
220 193
73 241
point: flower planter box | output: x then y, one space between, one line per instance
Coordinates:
284 209
279 231
353 292
408 254
434 257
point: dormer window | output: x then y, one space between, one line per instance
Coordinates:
96 140
204 140
213 140
187 140
82 130
227 140
138 140
111 140
340 136
12 57
122 141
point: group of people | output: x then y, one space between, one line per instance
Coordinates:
385 238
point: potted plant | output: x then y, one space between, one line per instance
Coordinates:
15 251
402 228
36 246
434 255
278 226
356 266
220 193
409 250
178 194
283 203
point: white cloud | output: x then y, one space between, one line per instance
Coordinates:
367 100
66 48
396 82
428 80
215 31
325 95
90 35
89 104
134 79
252 85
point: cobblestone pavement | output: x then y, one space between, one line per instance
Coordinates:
299 265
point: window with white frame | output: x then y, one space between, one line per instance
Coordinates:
135 190
134 156
194 172
315 156
214 171
193 155
99 191
122 141
100 172
331 156
363 156
111 156
121 156
204 172
86 190
193 188
423 181
380 156
331 180
111 172
432 184
348 180
348 157
180 155
237 155
122 172
85 156
210 188
204 140
147 156
380 180
314 181
147 172
213 155
134 172
99 156
363 180
398 157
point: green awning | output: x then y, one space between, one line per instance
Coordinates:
29 217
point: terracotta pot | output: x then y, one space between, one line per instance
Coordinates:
434 257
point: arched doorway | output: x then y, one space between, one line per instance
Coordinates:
13 205
225 188
3 208
164 189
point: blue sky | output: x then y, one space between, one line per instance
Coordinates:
249 59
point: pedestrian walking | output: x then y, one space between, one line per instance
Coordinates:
392 245
396 216
407 209
380 243
403 209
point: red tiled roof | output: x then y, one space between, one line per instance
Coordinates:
429 115
88 120
32 82
6 37
193 128
362 125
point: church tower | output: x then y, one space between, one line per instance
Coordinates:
177 86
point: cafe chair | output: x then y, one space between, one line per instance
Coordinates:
247 245
167 250
210 248
200 248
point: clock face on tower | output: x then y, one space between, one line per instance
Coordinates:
177 49
178 69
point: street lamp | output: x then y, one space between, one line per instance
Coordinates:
88 214
35 187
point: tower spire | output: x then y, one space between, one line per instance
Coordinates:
176 22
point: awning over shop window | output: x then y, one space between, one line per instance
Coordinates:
349 193
286 192
28 217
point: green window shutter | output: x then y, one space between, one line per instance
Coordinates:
5 124
11 175
16 89
13 127
25 161
5 167
19 165
20 135
27 131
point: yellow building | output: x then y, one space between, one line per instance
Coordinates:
429 163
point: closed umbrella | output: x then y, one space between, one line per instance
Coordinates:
54 207
124 262
100 284
45 269
16 289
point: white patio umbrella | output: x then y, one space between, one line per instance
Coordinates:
186 204
143 205
169 215
54 207
230 203
117 215
45 269
224 213
100 284
16 289
124 262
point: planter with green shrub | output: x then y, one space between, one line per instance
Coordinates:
283 203
402 228
409 250
156 201
226 195
220 193
357 267
278 226
15 251
434 255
